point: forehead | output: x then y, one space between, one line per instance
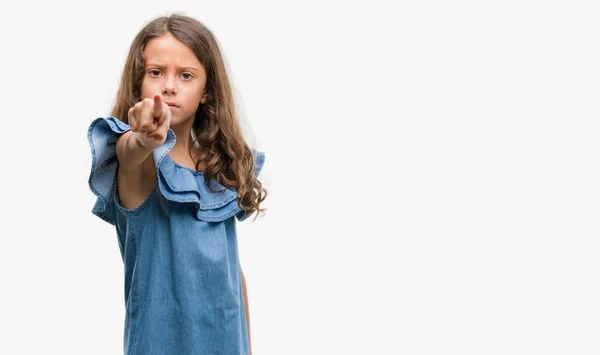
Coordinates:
168 50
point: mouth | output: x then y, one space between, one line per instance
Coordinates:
171 104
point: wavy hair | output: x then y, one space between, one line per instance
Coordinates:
217 134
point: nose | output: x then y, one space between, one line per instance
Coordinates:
169 86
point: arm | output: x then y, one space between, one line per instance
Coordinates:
136 173
135 176
130 152
246 306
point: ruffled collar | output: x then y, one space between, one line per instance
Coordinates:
184 185
175 182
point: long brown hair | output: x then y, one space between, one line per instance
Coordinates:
218 135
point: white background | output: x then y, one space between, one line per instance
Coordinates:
432 170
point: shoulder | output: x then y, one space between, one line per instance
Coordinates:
259 160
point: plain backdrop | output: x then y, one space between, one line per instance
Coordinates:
432 170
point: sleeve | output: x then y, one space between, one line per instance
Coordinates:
103 134
259 160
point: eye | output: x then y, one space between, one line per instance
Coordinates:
190 76
154 71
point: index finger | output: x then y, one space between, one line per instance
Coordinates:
157 110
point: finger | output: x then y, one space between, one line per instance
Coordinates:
131 119
165 110
140 113
159 135
165 119
156 135
158 106
146 119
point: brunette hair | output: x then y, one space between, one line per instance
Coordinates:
217 133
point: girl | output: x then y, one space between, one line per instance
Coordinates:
170 169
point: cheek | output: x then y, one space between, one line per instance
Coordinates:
147 89
144 90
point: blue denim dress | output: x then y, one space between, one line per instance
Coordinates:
183 290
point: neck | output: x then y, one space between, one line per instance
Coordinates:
183 139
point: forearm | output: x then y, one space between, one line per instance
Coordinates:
130 152
247 308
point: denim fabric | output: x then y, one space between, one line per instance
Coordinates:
183 290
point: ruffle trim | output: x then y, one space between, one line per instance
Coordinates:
176 183
103 134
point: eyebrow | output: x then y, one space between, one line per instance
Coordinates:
162 66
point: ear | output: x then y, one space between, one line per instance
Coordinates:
203 98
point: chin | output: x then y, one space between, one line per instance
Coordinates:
176 120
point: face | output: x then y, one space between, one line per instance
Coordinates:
173 71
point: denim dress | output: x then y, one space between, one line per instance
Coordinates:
183 290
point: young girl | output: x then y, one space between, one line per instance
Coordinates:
170 171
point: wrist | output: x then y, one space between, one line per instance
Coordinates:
138 141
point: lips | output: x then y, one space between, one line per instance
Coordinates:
171 104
